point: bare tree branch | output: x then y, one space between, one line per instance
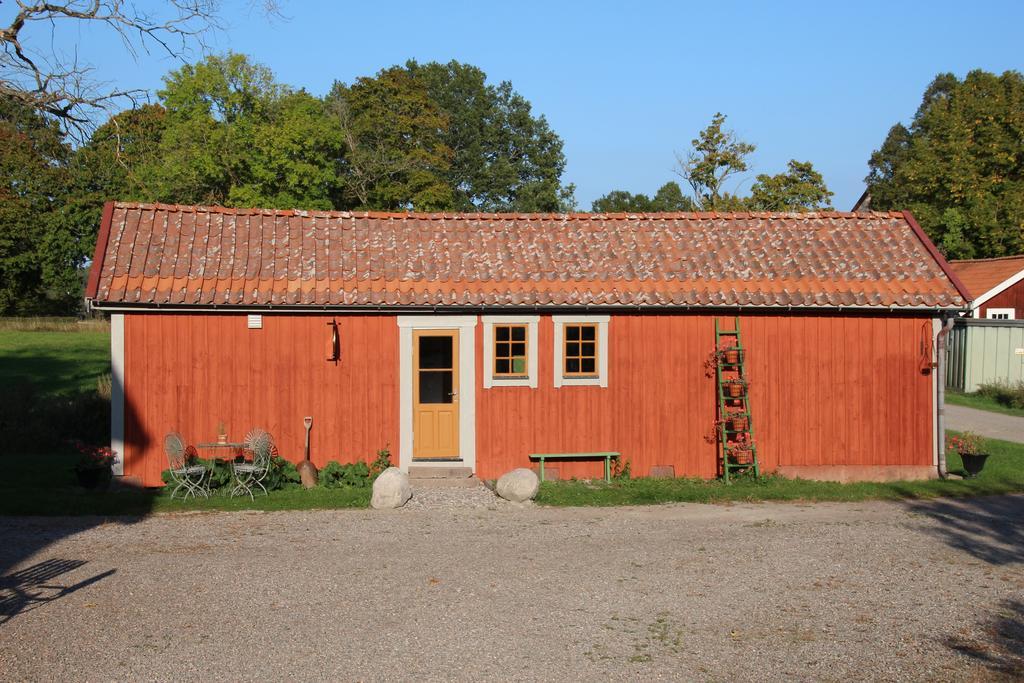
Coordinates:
60 86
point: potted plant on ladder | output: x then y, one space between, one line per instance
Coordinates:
734 388
741 448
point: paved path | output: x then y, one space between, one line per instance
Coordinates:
751 592
986 423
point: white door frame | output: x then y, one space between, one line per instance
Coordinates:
465 324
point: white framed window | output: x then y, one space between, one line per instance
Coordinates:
1001 313
581 350
510 350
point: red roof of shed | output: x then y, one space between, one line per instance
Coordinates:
154 254
981 275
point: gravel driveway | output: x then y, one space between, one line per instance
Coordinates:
874 591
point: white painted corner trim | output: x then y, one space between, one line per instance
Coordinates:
531 321
117 390
465 325
936 444
1008 282
602 351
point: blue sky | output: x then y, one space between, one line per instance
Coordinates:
627 84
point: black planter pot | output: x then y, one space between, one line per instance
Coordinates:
93 478
973 463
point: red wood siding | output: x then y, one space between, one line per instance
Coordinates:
824 390
1011 297
189 372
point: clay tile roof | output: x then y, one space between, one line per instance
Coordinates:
981 275
157 254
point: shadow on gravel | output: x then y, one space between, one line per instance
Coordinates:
38 584
1000 648
990 528
41 500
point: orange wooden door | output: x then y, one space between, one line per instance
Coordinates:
435 431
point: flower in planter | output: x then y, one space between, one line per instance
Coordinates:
742 442
94 457
729 354
711 363
715 434
735 388
94 468
736 421
967 443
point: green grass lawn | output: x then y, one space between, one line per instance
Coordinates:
981 403
54 362
1003 473
46 485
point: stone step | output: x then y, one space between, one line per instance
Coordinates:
467 483
425 472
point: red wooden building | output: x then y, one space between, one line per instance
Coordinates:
482 338
996 286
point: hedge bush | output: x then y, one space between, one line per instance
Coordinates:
1003 393
34 422
357 474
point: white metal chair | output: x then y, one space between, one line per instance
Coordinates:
186 476
249 475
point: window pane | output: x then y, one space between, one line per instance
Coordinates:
501 366
501 333
519 333
587 349
519 366
518 349
435 352
436 386
572 349
588 332
501 350
587 366
572 332
572 365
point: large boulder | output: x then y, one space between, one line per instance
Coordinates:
391 489
518 485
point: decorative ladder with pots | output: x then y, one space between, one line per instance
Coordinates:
737 450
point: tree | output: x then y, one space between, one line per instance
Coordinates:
716 156
800 188
235 136
294 162
959 165
33 162
395 156
120 157
117 162
503 157
621 201
34 72
213 110
669 197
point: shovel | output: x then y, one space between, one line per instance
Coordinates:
307 470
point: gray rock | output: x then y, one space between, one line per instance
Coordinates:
518 485
391 489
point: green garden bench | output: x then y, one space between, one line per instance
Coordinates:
607 456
